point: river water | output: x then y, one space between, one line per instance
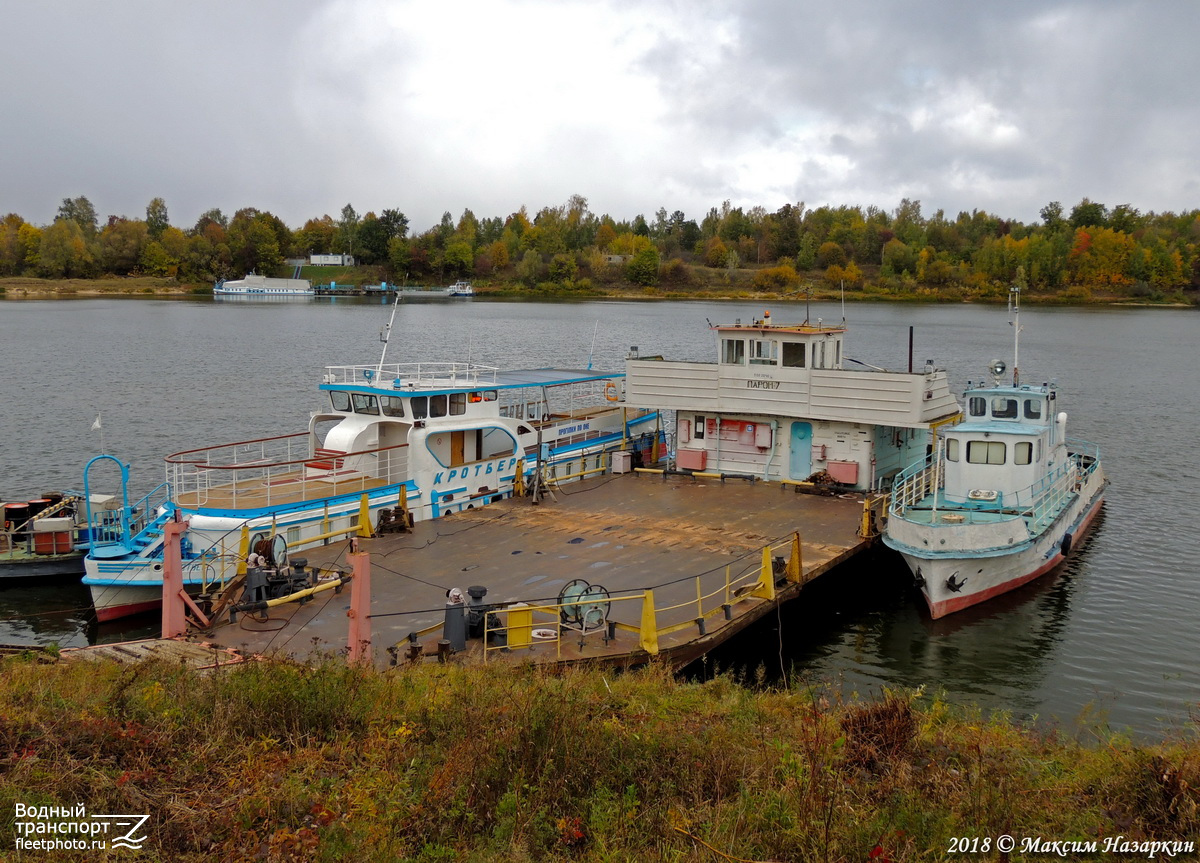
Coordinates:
1111 638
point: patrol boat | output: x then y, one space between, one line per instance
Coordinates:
429 439
1004 497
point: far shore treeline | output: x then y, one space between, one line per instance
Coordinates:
1089 253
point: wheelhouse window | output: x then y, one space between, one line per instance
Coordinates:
1033 409
793 355
420 407
733 352
437 405
340 400
365 404
458 404
391 406
1023 452
977 405
1004 408
951 449
985 452
763 352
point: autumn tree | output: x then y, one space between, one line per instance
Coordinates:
605 234
529 270
398 256
64 252
210 218
347 231
156 217
1088 214
715 252
29 237
643 269
12 252
1100 256
563 268
372 240
317 236
459 258
395 223
81 212
121 244
830 254
498 252
780 278
254 241
1052 216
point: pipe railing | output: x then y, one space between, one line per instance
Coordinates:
758 582
1038 503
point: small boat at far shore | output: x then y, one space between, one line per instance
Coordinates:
458 290
1004 498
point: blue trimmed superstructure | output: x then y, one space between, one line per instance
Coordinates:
452 436
1003 499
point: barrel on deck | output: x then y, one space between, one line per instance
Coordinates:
15 516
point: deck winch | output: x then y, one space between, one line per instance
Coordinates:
265 583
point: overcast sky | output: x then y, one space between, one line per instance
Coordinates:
302 106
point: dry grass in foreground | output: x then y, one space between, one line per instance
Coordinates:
280 762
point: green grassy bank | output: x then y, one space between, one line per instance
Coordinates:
699 283
280 762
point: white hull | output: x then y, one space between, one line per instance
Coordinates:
953 580
131 585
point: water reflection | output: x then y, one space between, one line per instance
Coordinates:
1115 627
867 626
59 611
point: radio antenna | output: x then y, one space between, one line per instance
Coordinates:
592 349
386 333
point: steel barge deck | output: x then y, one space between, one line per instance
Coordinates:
688 548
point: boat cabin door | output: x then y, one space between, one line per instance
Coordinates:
800 458
457 448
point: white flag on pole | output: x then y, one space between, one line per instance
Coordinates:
96 424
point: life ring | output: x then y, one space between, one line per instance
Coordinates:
610 391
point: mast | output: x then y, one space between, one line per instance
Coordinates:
1014 309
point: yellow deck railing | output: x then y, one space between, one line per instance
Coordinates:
522 621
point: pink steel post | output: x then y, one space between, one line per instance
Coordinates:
360 607
174 620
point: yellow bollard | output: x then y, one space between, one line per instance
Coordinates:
765 589
364 518
795 567
648 632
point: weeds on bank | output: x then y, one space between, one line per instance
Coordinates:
277 761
